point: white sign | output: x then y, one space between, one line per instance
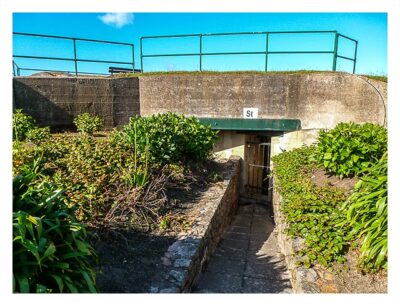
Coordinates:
250 112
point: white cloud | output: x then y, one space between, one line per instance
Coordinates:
117 19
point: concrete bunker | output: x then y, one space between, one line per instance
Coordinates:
291 107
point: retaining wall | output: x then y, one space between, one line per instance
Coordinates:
184 260
303 280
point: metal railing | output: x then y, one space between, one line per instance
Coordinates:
265 52
17 70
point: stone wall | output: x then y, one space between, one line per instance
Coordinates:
184 260
56 101
303 280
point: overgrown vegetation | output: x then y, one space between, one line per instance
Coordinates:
312 212
50 252
24 128
367 214
88 124
168 137
328 219
118 181
349 148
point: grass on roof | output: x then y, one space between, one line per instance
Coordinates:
157 73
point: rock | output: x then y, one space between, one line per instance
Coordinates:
310 288
166 261
301 273
297 244
182 263
178 275
311 275
170 290
329 288
153 289
328 276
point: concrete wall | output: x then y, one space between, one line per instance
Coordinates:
56 101
319 100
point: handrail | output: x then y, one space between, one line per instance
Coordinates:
266 52
75 59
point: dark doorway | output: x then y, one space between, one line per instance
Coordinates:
257 155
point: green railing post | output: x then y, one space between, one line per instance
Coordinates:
266 51
133 59
201 50
335 49
141 54
75 61
13 63
355 58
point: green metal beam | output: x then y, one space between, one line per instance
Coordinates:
241 124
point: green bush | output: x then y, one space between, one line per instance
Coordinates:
22 124
88 124
367 214
312 212
90 170
349 148
168 137
38 135
50 251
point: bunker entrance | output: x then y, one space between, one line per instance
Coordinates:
257 159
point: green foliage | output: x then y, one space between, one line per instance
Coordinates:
90 170
349 148
312 212
38 135
367 214
50 251
22 124
88 124
168 137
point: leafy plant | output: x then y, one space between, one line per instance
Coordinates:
88 124
38 135
312 212
367 215
349 148
168 137
22 124
50 251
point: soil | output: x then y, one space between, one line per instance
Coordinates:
348 278
352 280
129 259
323 179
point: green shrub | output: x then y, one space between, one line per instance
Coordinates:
349 148
312 212
367 214
50 251
22 124
38 135
168 137
88 124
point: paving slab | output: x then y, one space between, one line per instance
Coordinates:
212 282
256 285
228 266
236 236
247 258
235 244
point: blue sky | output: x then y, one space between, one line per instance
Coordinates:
370 29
